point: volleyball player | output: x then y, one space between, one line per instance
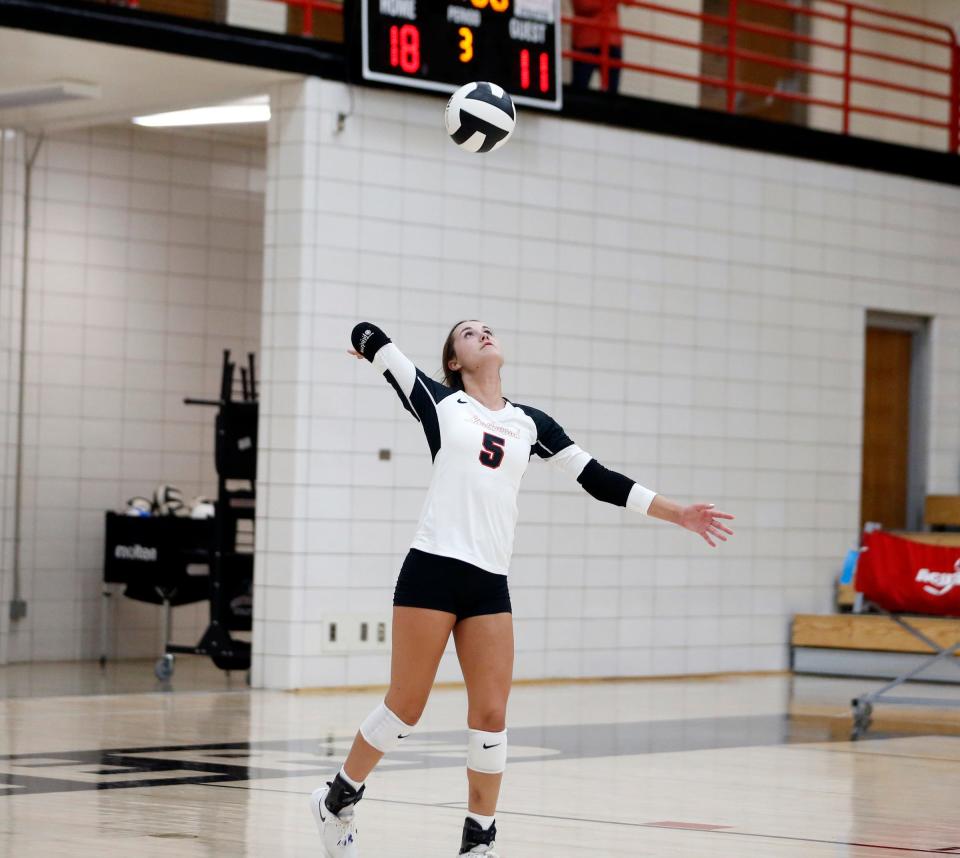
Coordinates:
454 578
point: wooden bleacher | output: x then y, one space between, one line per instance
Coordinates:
869 632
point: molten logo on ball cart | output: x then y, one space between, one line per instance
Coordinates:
135 552
939 583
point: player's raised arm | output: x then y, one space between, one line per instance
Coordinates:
372 343
418 393
556 447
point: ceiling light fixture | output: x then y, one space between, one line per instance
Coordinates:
47 93
234 113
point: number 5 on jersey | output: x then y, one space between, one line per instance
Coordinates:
492 453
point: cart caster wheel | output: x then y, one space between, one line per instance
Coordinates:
862 719
163 669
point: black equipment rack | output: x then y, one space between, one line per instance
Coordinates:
231 550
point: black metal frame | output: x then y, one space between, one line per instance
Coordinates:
236 458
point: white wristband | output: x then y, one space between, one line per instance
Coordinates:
639 499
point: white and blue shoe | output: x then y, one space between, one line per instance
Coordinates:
338 831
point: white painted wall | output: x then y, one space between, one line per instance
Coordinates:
693 315
146 255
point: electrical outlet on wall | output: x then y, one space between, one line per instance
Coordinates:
380 628
355 633
373 633
336 634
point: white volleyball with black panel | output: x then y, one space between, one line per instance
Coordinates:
168 500
480 117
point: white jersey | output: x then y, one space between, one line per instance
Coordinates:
479 459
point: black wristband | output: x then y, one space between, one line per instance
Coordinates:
368 339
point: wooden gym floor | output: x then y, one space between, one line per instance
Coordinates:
95 764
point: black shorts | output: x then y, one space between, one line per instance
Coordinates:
446 584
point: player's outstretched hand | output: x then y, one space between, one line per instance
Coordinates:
355 353
703 519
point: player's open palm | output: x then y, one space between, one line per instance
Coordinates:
704 519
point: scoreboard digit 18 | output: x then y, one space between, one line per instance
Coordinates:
432 44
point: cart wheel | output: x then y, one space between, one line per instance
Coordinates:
862 712
163 669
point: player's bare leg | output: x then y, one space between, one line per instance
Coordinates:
485 649
419 639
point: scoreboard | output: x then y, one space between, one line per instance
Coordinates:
443 44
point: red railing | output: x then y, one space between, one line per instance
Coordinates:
311 6
852 17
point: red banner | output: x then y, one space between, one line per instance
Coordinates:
909 577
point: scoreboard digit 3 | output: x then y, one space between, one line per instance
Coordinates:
442 44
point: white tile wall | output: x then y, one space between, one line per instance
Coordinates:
11 256
146 260
693 315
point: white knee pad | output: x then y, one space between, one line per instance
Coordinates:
487 752
384 730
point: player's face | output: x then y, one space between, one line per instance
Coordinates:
474 344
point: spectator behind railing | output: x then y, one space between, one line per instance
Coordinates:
591 40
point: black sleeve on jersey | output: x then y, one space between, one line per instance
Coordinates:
403 399
551 438
604 484
597 481
426 395
368 339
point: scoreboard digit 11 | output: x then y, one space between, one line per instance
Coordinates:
432 44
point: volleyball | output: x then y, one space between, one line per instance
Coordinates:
480 117
168 500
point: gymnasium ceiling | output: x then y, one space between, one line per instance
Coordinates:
131 82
